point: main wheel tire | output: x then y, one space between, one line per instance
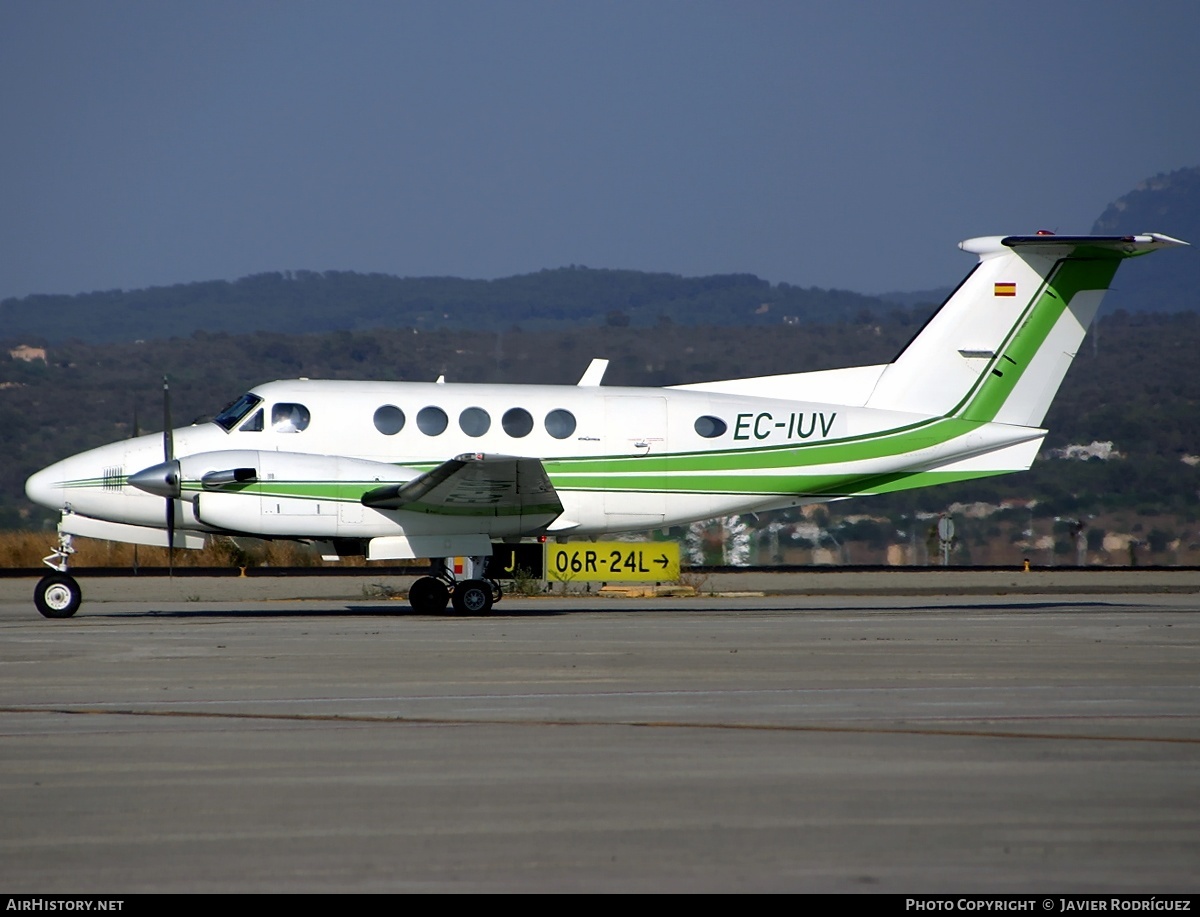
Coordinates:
57 596
473 597
428 596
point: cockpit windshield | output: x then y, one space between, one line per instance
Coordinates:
236 410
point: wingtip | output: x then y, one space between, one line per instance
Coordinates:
1165 240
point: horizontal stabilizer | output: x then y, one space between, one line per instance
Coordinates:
1091 246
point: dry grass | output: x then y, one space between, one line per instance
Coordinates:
26 549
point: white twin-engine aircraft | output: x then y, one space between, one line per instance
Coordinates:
413 470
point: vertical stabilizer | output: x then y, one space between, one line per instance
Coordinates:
998 348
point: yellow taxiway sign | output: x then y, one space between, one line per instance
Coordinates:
613 561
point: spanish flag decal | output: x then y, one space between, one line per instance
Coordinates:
1006 289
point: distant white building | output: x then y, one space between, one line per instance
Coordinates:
1104 451
27 353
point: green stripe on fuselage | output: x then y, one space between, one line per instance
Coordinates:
880 444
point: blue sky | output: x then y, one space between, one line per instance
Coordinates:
845 145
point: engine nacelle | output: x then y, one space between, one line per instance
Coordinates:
252 514
286 494
227 469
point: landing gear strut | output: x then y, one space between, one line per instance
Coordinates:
58 595
472 596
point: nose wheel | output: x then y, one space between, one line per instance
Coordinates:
57 596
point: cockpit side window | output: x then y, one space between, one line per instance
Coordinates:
254 424
235 411
289 418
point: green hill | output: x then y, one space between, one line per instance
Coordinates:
302 302
306 301
1169 204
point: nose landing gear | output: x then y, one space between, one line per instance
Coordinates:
58 595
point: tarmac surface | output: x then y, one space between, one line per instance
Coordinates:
223 735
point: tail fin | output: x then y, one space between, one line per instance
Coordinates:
998 348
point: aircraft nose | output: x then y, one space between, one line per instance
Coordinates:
45 487
161 479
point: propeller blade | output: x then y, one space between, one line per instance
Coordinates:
171 537
168 437
136 433
169 459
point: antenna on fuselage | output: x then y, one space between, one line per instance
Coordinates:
594 374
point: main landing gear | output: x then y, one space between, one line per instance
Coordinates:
473 596
58 595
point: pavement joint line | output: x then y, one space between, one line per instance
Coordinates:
641 724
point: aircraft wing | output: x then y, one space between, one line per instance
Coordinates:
474 484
